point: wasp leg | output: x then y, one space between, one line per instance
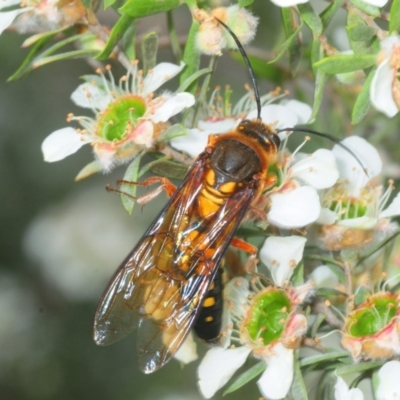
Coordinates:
165 184
251 263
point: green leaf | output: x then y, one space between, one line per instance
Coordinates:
311 18
129 41
316 324
191 57
90 169
298 389
367 8
141 8
317 52
120 27
286 44
108 3
245 3
345 63
34 38
359 33
26 65
246 377
295 48
321 358
362 102
394 21
324 292
173 37
354 368
330 11
191 79
298 275
149 51
169 168
173 132
40 61
129 191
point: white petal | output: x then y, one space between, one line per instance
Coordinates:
220 126
294 209
188 351
276 380
376 3
389 382
237 293
302 110
324 277
281 255
288 3
342 392
173 106
8 3
193 143
277 115
327 217
381 94
350 169
359 223
318 170
91 96
218 366
62 143
393 210
160 74
8 17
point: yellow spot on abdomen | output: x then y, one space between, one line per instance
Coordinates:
209 302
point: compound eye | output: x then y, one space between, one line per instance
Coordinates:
274 138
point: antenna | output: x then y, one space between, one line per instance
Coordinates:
249 67
326 136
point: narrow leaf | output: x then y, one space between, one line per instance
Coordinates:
88 170
245 3
299 390
173 132
291 24
317 323
345 63
354 368
65 56
362 102
367 8
298 275
129 41
330 11
311 18
173 36
129 191
141 8
170 169
189 81
121 26
108 3
246 377
320 77
26 65
394 21
33 39
334 355
191 57
149 51
286 44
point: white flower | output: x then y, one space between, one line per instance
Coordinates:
388 387
281 255
243 308
39 15
323 277
385 85
188 350
216 120
128 116
342 391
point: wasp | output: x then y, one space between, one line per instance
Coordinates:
171 281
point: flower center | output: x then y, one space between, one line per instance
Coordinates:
375 315
348 209
268 316
121 117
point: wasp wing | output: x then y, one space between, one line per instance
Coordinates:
161 284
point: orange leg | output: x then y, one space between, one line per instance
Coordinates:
166 185
248 248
